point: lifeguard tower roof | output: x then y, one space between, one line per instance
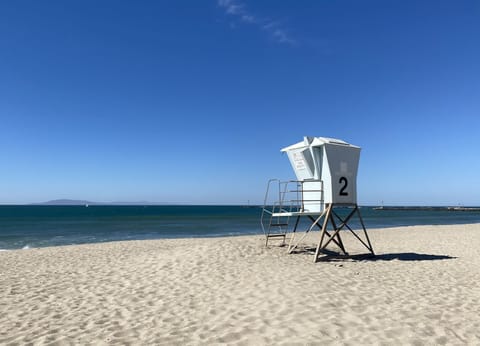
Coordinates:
316 142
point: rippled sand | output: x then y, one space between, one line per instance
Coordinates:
422 288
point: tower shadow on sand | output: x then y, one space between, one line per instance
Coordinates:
402 256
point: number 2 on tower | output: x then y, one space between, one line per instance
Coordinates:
343 181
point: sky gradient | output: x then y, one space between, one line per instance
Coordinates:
191 101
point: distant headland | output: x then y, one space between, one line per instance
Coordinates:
60 202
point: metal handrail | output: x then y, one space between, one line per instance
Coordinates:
264 209
287 205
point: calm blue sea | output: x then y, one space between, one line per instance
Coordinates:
39 226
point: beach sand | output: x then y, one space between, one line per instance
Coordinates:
422 288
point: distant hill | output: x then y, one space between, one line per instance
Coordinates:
67 202
83 202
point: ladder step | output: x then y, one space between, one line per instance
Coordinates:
276 235
278 224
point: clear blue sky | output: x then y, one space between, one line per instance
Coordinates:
191 101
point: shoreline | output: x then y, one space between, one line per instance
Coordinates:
215 236
422 287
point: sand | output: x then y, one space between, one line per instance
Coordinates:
422 288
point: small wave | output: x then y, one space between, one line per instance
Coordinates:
26 247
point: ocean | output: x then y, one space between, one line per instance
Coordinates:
23 227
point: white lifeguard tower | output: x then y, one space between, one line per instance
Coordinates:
326 171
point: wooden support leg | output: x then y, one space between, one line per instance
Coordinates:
370 247
339 244
293 233
324 229
314 223
339 239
